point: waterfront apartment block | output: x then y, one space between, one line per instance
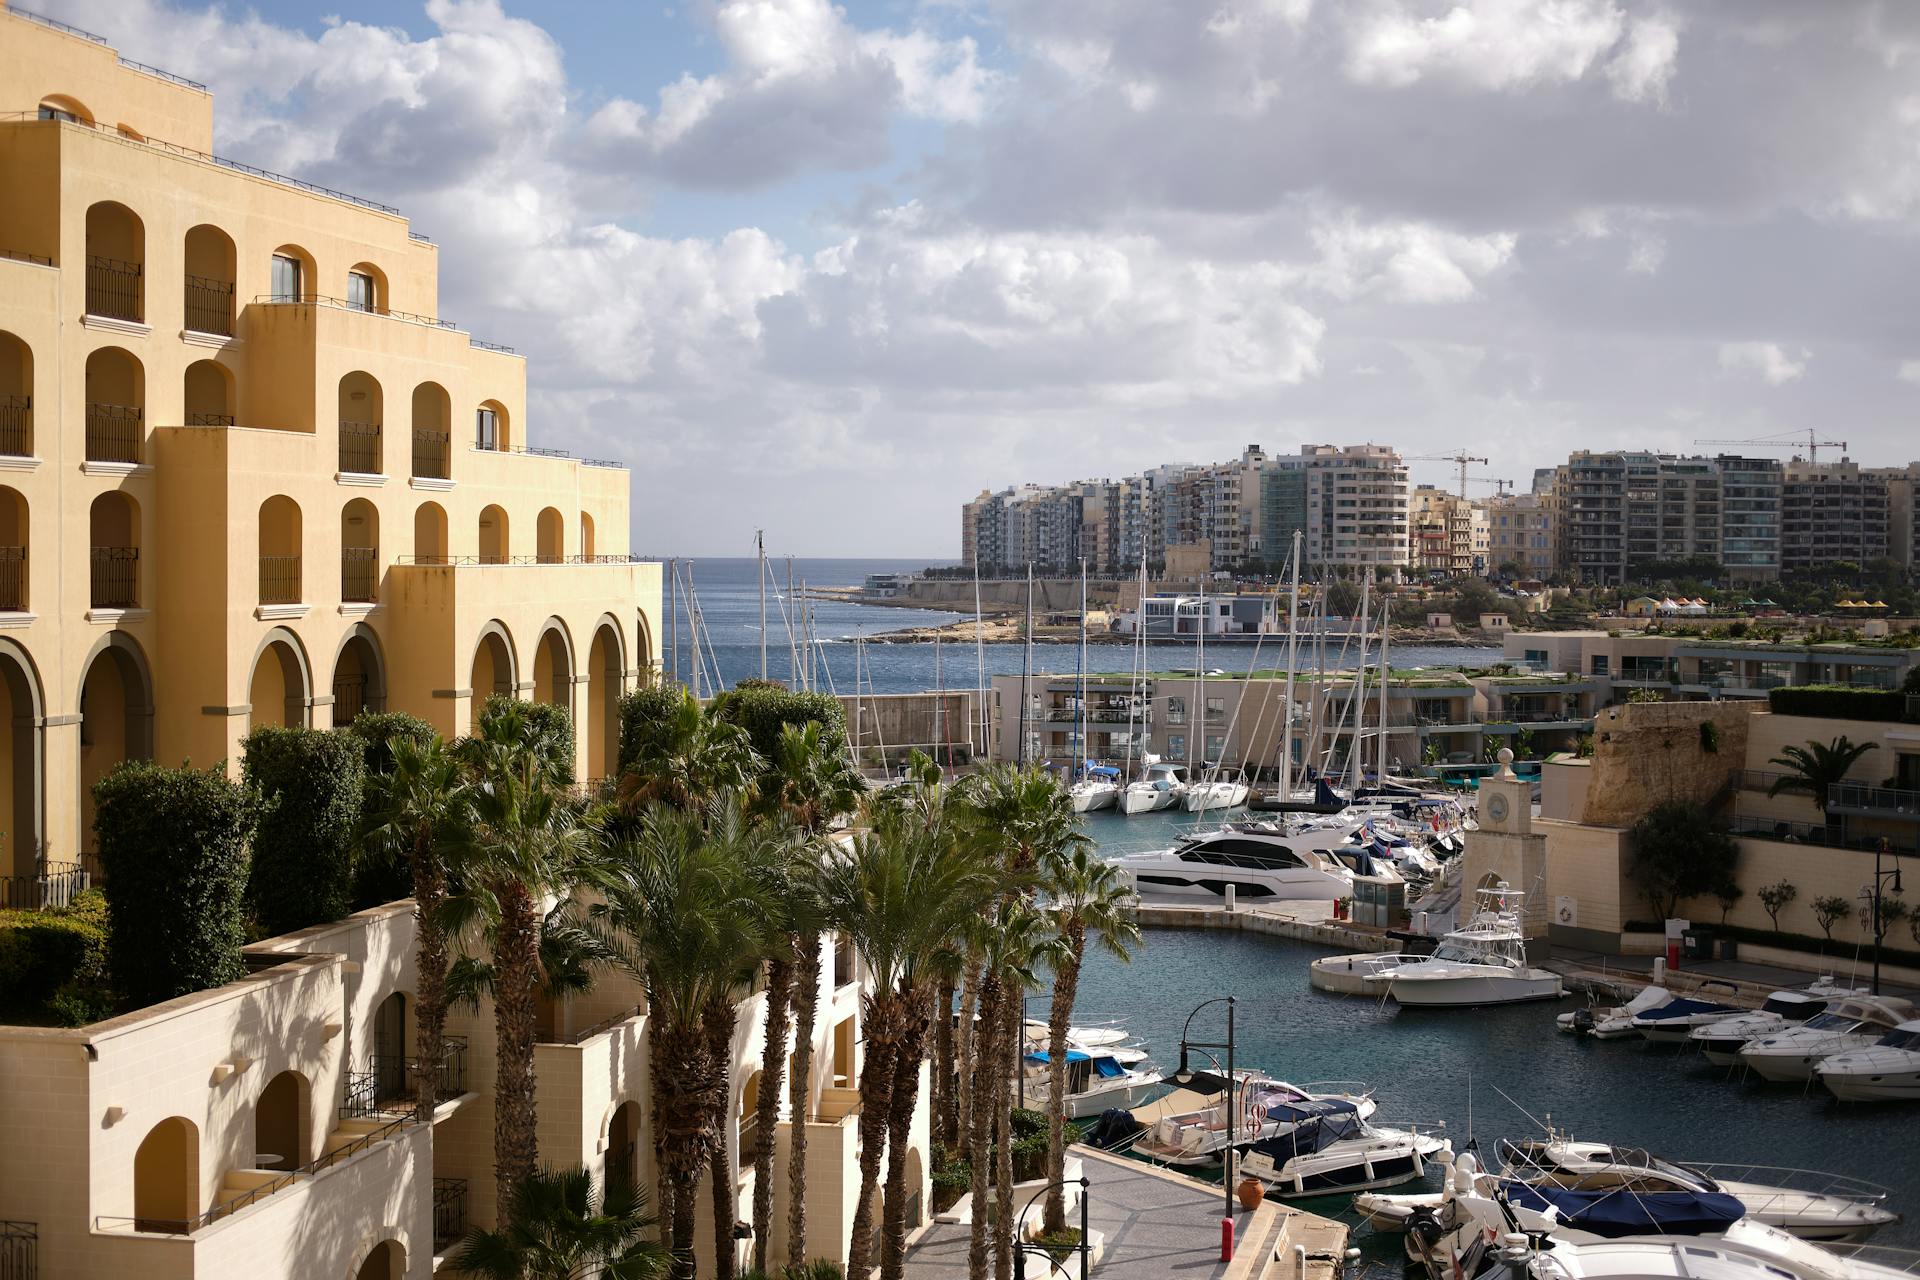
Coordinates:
1448 534
1831 512
248 474
1520 532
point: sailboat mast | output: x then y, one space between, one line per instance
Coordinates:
1316 705
1139 652
793 649
980 658
673 628
1080 718
1293 650
939 701
760 546
1355 746
1026 671
1198 717
1386 672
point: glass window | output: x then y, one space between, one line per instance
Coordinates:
286 279
1599 664
1176 710
1216 710
359 291
486 430
1177 744
1216 745
55 113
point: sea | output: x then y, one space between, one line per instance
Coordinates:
728 596
1485 1073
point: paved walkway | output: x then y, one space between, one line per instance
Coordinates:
1156 1225
1844 969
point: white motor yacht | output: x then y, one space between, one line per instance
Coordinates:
1261 1107
1329 1149
1854 1023
1097 1079
1484 963
1747 1249
1163 787
1720 1042
1674 1021
1887 1070
1215 792
1256 860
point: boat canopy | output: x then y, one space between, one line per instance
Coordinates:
1684 1008
1316 1125
1073 1055
1619 1213
1102 771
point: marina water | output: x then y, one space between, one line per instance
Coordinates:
1420 1061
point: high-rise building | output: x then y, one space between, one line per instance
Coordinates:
1749 517
1520 531
1356 505
1446 532
1832 512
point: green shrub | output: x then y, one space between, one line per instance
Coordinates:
308 783
764 709
174 844
378 874
644 717
378 730
43 951
1838 702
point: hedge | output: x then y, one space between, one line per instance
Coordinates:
174 844
42 952
309 784
544 727
379 730
1838 702
763 710
644 716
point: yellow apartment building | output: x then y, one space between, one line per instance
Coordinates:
248 475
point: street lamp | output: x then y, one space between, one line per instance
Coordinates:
1020 1246
1881 881
1183 1076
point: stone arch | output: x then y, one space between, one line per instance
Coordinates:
116 716
553 664
209 395
386 1260
359 675
432 425
550 536
22 712
280 690
113 545
16 396
280 536
116 406
495 545
359 552
166 1177
361 412
116 262
58 106
210 266
282 1119
292 275
492 427
606 681
622 1140
643 651
430 534
586 537
494 668
378 303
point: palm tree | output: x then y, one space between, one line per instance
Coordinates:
557 1231
1085 897
1816 767
693 758
1027 814
901 893
691 899
416 807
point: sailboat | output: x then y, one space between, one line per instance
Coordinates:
1094 787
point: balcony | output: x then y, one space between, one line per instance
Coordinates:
1101 715
13 579
113 288
210 306
430 455
115 578
280 579
389 1079
114 433
360 448
450 1211
16 426
1876 802
359 575
19 1250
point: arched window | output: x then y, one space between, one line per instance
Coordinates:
116 718
430 534
290 275
388 1048
387 1261
550 536
367 288
491 429
58 106
604 683
586 536
22 761
210 265
623 1144
361 405
493 535
359 677
16 397
116 407
209 394
359 552
280 551
166 1177
116 263
14 538
113 535
432 431
749 1119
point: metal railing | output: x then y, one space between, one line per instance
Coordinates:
344 304
749 1146
449 1212
360 448
280 579
430 454
359 574
587 1033
115 575
210 305
113 288
1890 800
115 433
13 579
16 426
21 255
443 561
1831 836
56 885
19 1243
209 419
492 346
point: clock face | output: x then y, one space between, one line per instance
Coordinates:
1497 808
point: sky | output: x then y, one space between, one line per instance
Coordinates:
831 270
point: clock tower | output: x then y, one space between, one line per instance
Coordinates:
1507 848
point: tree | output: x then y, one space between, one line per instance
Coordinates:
1775 897
1816 767
1727 895
558 1229
1005 942
1085 897
1892 912
685 759
1677 854
1829 911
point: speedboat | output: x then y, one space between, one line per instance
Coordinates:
1330 1149
1215 793
1098 1079
1675 1020
1163 787
1719 1042
1823 1207
1746 1249
1855 1023
1255 860
1887 1070
1260 1108
1484 963
1613 1022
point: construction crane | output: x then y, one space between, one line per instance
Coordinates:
1461 460
1500 487
1813 444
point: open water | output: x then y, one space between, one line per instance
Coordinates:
728 594
1453 1065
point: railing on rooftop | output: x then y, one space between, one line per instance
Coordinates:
343 304
492 346
434 561
115 577
419 237
113 288
114 433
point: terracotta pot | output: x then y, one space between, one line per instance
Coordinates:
1250 1193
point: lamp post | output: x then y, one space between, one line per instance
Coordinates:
1020 1247
1183 1076
1881 880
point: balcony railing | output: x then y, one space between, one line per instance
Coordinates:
114 433
16 426
449 1212
389 1078
430 451
13 584
210 306
209 419
19 1250
113 288
56 885
359 574
360 448
116 577
279 579
1831 836
1892 801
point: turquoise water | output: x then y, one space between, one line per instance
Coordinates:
1421 1062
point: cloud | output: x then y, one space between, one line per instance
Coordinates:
1768 359
1484 44
1644 64
1405 262
1909 371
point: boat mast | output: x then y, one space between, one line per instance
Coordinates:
1198 718
1080 717
760 546
1386 671
939 702
1139 653
1355 747
1026 670
1293 649
1315 704
980 656
793 650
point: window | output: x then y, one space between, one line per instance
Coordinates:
359 290
1599 664
1216 710
286 279
1176 710
486 429
1216 746
1177 744
48 112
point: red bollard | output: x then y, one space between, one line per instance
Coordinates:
1673 956
1226 1239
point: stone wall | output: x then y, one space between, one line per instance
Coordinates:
1647 753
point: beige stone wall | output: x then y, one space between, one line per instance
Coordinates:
1649 753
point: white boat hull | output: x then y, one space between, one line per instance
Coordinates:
1127 1096
1383 1158
1219 796
1093 798
1894 1086
1147 800
1471 990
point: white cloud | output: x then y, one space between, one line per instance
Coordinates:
1645 62
1768 359
1405 262
1485 44
1909 371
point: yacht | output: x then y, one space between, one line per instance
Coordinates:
1887 1070
1163 787
1098 1078
1719 1042
1613 1022
1855 1023
1484 963
1217 792
1675 1020
1747 1249
1257 861
1328 1149
1095 790
1263 1108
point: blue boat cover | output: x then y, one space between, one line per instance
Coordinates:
1317 1124
1102 771
1626 1213
1107 1068
1686 1008
1073 1055
1324 794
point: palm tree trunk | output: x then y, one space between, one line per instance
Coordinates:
726 1201
1009 1045
965 1053
1065 981
516 1143
773 1064
430 1000
876 1091
806 993
683 1127
979 1130
665 1185
906 1098
946 1132
720 1019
